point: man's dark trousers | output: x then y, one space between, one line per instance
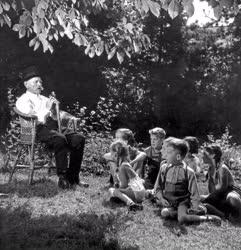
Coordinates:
62 144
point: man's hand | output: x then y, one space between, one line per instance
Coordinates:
52 100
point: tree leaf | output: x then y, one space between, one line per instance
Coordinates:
68 31
173 9
22 32
32 42
50 47
92 52
36 46
77 40
145 5
1 9
165 4
136 46
99 48
188 7
120 56
87 49
111 53
154 8
6 6
7 20
17 27
56 37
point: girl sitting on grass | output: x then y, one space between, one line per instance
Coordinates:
128 186
136 157
224 198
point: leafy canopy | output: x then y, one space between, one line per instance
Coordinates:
111 26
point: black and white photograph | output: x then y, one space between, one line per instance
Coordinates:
120 124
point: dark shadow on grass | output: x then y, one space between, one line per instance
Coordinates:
86 231
42 187
174 227
113 203
172 224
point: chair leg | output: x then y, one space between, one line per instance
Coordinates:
20 148
31 163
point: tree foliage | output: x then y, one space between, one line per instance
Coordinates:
111 26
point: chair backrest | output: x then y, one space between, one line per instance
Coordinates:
27 127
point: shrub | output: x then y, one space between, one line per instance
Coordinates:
97 144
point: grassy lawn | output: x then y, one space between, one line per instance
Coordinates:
42 216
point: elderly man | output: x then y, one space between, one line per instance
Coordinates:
33 103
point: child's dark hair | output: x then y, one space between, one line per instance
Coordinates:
216 150
192 143
178 144
121 148
127 135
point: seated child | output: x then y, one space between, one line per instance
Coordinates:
154 156
136 157
191 159
179 193
128 185
224 196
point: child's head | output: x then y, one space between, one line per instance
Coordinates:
119 151
174 150
126 135
157 135
212 154
192 143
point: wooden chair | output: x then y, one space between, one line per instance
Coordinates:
28 143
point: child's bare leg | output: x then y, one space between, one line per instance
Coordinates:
114 192
184 217
169 213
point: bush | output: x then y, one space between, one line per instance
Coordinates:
97 144
97 120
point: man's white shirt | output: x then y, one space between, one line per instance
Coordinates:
34 104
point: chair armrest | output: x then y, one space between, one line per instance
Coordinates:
23 115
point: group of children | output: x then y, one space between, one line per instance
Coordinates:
167 172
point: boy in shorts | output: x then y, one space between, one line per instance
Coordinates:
179 195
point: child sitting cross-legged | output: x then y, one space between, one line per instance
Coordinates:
179 195
128 185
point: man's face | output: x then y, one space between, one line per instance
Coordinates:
34 85
156 141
